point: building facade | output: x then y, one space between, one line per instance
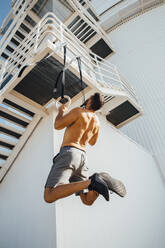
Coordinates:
120 44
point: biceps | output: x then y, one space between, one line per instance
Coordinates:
62 123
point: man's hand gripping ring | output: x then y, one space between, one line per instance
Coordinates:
67 104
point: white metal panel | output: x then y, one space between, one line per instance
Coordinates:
141 60
125 11
103 5
61 10
28 175
31 223
122 222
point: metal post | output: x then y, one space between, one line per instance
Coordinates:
37 37
119 78
3 70
61 32
97 63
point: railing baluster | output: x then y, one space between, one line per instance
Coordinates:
37 36
3 70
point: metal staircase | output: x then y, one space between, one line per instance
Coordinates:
83 23
24 98
18 119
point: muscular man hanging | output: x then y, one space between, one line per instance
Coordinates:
69 173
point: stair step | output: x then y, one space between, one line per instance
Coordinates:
13 114
12 119
9 132
12 129
3 157
8 141
6 145
4 153
18 108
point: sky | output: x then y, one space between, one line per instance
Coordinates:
5 8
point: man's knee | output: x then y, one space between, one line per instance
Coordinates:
86 201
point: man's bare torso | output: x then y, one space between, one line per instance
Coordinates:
82 127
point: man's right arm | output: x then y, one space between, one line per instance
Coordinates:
62 120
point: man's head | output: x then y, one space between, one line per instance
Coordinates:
95 102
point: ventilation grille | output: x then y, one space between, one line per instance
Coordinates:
101 48
121 113
39 83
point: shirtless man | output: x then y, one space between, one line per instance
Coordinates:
69 173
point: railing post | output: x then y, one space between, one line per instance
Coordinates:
142 5
119 78
97 63
37 37
61 32
3 70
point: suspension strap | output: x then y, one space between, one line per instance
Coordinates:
80 71
62 73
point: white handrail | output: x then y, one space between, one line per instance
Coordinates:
91 63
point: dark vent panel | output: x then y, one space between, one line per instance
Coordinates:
39 83
101 48
121 113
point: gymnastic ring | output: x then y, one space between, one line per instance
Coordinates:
67 104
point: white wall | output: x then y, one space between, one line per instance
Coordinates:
136 221
26 221
140 57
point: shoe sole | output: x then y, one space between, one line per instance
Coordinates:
113 184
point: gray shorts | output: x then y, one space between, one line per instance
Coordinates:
68 166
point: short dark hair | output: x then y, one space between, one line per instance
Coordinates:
97 101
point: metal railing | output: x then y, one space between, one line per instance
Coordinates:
96 69
20 11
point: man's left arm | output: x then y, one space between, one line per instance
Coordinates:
62 120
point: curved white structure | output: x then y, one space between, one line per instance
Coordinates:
140 53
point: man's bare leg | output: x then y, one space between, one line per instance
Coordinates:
64 190
89 198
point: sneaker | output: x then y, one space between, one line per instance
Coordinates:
113 184
99 186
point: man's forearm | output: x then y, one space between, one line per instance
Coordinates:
58 118
62 120
60 115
